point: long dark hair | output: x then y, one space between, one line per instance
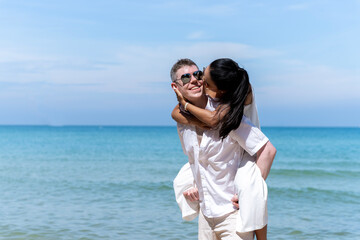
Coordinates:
234 81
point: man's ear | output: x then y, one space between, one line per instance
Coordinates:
173 85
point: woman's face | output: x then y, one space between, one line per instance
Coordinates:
208 82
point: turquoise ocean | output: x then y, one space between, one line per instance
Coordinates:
116 183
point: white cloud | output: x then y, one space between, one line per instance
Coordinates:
307 85
20 67
219 9
196 35
202 8
13 55
152 64
131 69
145 69
298 7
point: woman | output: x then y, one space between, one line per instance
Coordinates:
229 87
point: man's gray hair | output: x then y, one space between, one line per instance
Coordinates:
179 64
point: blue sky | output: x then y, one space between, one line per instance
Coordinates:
108 62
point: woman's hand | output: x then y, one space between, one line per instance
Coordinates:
235 201
180 97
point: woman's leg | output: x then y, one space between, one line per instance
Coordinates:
261 233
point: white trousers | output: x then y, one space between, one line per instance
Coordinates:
221 228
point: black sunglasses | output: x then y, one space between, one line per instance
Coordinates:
186 78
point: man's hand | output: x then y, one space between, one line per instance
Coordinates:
235 201
192 194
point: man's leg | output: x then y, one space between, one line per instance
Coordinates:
225 228
205 228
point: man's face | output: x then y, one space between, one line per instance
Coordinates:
193 89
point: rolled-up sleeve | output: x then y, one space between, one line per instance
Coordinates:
180 129
249 137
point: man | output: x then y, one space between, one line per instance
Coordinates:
214 162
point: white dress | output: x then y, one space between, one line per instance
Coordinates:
249 184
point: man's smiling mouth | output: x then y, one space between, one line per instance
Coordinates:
193 88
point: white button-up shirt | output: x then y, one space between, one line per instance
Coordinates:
214 162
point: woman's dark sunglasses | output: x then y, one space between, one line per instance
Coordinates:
186 78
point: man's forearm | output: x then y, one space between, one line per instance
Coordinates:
265 158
